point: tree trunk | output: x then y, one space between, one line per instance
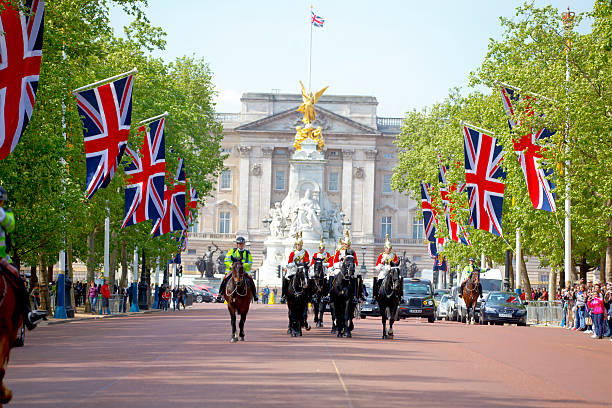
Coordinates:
573 273
561 277
124 265
43 287
526 282
584 268
552 284
512 276
602 270
91 266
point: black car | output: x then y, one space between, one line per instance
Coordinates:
369 308
199 295
503 307
418 300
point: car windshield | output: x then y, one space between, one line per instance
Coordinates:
490 285
417 288
502 298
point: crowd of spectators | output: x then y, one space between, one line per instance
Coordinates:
586 308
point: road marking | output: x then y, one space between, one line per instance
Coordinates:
346 392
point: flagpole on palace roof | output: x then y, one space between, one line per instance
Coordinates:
310 49
93 84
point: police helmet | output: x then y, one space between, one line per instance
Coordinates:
240 240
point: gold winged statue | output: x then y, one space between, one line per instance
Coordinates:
308 109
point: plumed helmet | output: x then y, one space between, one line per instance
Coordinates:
321 244
387 242
347 239
3 194
240 240
298 240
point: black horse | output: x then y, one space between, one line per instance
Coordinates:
388 297
344 288
319 289
297 299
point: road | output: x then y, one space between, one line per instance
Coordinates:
184 359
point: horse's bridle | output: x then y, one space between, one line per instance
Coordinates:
237 283
300 269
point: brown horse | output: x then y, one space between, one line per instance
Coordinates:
238 297
471 293
11 321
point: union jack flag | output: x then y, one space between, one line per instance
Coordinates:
144 194
529 154
456 231
430 221
21 40
485 180
317 21
192 204
106 112
174 207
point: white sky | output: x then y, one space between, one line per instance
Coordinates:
406 53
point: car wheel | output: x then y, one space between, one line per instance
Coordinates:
199 299
362 316
431 319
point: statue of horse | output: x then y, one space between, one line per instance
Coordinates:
318 289
471 292
297 299
389 294
11 320
238 297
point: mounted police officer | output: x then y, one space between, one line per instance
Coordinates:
348 254
7 225
383 264
299 256
467 272
238 254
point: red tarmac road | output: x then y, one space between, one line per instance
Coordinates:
184 359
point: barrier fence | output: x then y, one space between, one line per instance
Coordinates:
548 313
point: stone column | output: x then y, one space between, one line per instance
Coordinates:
368 198
266 180
347 183
243 192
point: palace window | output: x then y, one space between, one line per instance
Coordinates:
279 180
417 228
226 179
388 155
385 226
224 222
191 268
332 183
191 252
386 187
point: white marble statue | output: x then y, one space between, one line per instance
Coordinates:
278 221
306 215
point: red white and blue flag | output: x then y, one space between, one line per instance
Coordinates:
144 194
174 208
485 180
317 21
456 231
192 204
430 221
106 113
21 41
529 153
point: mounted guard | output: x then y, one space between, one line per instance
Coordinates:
295 288
238 254
346 258
467 274
319 284
383 264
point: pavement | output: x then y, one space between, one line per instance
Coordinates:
184 359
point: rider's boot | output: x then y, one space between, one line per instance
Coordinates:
30 318
354 290
283 291
461 289
375 290
251 284
222 289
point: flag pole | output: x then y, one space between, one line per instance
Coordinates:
568 19
488 132
310 50
519 262
93 84
134 306
163 115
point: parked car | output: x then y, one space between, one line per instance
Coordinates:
438 293
199 295
418 300
369 308
444 307
503 307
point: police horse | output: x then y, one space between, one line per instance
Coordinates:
471 292
297 299
344 285
238 297
319 289
389 293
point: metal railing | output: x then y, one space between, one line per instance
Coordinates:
213 235
389 123
399 241
545 312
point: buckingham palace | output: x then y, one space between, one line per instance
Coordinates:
360 157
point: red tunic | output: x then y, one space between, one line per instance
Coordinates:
305 260
337 257
326 256
380 258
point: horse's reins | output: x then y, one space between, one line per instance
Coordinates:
293 280
237 284
391 277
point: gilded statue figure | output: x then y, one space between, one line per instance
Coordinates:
308 109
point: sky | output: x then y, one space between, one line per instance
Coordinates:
406 53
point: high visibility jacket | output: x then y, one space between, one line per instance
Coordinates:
467 271
244 256
7 225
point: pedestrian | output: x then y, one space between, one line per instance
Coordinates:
105 292
124 298
165 299
175 294
266 295
580 308
596 305
182 297
92 294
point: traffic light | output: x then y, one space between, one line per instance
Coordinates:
278 271
180 270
